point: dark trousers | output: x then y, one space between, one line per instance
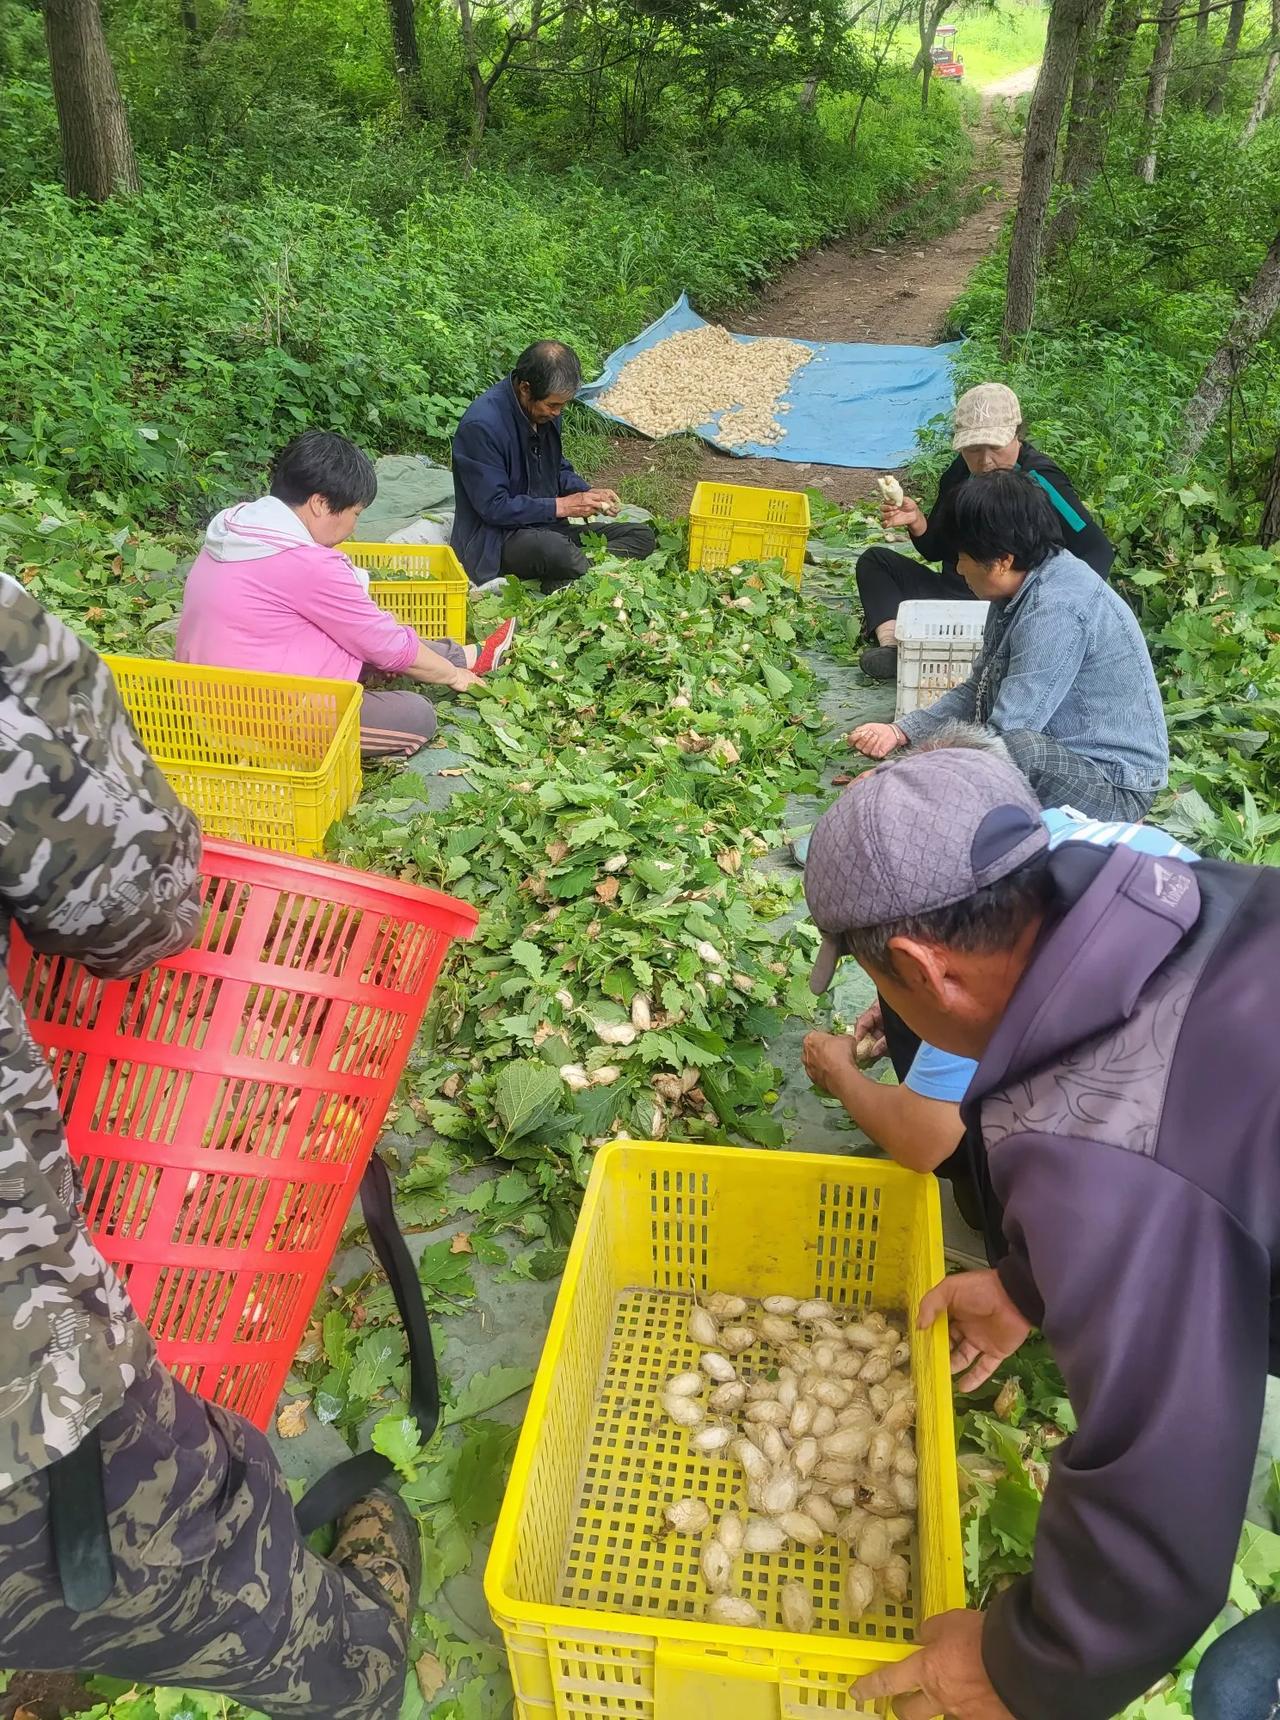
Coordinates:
1239 1676
886 579
215 1589
902 1045
554 555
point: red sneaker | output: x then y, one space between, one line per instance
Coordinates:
494 648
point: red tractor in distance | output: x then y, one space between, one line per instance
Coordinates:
946 62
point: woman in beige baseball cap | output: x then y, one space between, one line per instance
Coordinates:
987 437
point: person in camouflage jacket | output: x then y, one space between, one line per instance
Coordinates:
205 1578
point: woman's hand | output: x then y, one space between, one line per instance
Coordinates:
877 740
908 514
463 681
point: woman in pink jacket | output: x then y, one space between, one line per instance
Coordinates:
271 591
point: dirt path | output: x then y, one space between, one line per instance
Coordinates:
858 291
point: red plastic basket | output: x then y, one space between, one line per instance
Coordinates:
222 1106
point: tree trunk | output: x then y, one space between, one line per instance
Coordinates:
928 18
479 117
1157 89
1044 118
1114 56
1202 24
475 78
1083 82
408 63
190 32
1249 324
97 150
1086 143
1222 71
1262 100
1269 529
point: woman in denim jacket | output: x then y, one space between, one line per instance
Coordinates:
1064 675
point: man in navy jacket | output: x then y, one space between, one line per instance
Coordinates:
1123 1125
520 507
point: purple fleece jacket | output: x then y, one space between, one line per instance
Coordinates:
1124 1130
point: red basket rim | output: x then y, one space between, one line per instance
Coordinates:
361 889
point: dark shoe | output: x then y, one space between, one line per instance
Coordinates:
880 662
380 1544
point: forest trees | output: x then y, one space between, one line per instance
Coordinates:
1158 89
97 149
1100 54
929 14
1069 21
1262 100
1105 60
1222 71
1251 321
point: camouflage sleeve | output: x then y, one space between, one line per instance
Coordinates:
98 859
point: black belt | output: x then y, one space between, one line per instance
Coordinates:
78 1521
77 1506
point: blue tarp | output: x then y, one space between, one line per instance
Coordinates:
855 404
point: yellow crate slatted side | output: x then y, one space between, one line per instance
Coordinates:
731 523
272 760
424 585
600 1615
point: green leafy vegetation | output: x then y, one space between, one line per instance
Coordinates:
628 772
1008 1431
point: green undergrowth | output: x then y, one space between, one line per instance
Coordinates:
156 351
997 41
1008 1431
628 772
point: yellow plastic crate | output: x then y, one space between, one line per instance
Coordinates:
729 523
272 760
429 592
599 1616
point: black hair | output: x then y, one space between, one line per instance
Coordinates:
992 919
1004 513
322 463
548 367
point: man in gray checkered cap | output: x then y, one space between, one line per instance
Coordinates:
1123 1132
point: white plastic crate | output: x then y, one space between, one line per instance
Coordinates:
937 644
